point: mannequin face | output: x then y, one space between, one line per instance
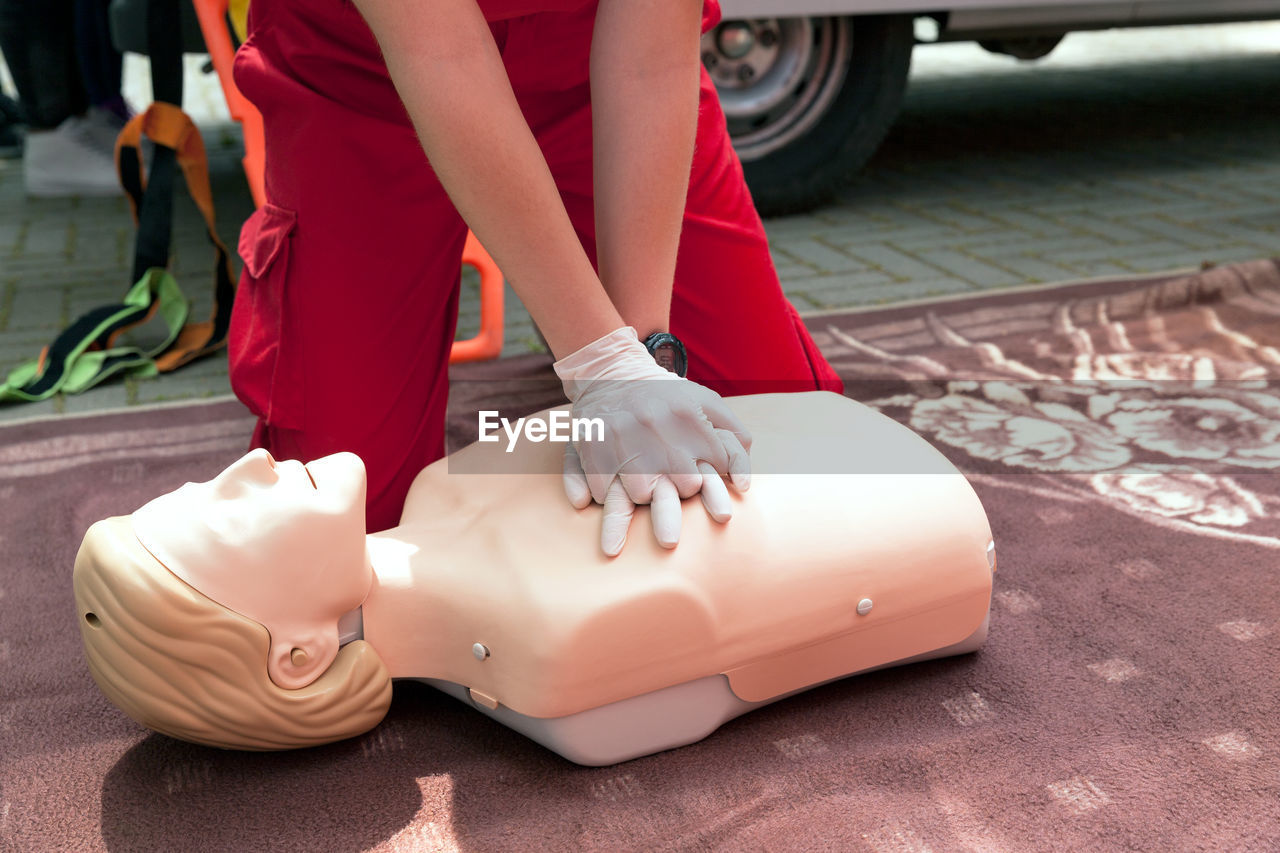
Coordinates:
280 543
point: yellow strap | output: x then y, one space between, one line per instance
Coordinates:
239 12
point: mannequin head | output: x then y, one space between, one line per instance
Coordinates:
280 543
186 666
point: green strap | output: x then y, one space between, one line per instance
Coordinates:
83 355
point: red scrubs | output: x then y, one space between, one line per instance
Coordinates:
346 311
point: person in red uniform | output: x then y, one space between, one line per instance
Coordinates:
584 145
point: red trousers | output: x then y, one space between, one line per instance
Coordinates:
345 316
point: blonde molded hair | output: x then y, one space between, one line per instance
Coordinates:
184 665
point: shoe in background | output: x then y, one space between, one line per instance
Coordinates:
75 158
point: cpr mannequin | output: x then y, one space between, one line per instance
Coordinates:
253 612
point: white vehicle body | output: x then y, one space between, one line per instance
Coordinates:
811 87
983 16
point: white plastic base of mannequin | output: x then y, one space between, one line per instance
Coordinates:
652 722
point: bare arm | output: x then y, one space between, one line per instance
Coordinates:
447 69
644 103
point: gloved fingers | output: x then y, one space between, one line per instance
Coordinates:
665 513
722 417
659 430
685 474
639 485
616 519
599 482
715 497
739 460
702 434
575 479
683 424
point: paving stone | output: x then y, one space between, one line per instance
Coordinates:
1185 258
860 217
949 213
10 412
787 268
160 390
1096 268
829 291
82 296
1265 243
891 260
969 268
1035 271
802 227
1137 210
111 394
1030 222
908 290
10 233
34 271
820 257
1269 213
20 349
213 365
1115 252
1107 228
36 308
916 240
51 240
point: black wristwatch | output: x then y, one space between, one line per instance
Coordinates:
668 351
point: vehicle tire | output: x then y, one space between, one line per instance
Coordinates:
807 100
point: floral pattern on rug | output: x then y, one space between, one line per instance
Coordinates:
1162 400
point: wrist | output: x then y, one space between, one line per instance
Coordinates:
618 356
668 352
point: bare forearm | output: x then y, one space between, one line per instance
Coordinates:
450 76
644 83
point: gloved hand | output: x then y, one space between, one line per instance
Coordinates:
665 438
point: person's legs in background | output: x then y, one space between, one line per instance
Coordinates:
38 40
66 153
101 64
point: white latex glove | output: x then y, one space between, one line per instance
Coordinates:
665 438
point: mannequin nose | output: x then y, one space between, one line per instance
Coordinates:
255 467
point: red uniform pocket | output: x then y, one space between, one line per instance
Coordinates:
263 375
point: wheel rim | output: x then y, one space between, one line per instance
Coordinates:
776 76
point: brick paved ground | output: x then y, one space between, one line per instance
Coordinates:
1123 152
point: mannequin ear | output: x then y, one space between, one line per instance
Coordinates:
296 661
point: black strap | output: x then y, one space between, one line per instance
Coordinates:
111 319
155 210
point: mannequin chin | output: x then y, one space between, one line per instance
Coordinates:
857 546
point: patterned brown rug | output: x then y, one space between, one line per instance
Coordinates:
1125 439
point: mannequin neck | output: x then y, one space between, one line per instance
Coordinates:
386 551
351 626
